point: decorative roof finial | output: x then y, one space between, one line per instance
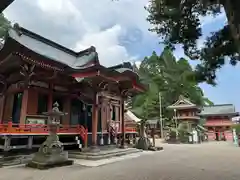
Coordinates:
17 28
55 107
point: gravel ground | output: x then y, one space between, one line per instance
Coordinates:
209 161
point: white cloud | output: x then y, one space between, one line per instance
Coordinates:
107 45
79 24
138 63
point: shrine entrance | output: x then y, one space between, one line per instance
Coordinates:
110 118
81 114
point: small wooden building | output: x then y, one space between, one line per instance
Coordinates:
185 111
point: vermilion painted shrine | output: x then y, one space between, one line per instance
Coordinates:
217 118
36 72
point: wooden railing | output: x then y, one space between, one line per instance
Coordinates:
26 129
130 129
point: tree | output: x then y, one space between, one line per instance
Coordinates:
143 105
178 22
170 77
4 26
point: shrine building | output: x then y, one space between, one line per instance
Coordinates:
218 121
36 72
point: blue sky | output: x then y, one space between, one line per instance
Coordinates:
118 30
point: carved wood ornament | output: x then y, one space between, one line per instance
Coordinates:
27 72
103 85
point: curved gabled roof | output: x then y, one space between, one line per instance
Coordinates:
40 51
221 109
52 50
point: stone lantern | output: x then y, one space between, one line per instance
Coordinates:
152 125
50 153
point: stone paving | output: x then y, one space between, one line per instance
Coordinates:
209 161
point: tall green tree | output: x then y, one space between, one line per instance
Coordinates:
178 22
169 77
144 104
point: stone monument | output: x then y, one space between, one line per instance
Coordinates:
50 153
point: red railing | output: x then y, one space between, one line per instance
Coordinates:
11 128
130 129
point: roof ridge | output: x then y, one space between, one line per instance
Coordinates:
219 105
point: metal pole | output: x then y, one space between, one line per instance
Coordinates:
160 113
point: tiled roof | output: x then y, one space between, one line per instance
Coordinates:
182 102
52 50
223 109
129 116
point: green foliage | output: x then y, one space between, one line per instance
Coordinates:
178 22
183 132
236 127
170 77
4 25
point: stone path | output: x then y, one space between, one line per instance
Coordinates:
210 161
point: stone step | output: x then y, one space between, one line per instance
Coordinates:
103 151
103 154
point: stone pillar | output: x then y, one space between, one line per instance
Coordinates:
30 142
24 106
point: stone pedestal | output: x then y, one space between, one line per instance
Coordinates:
50 154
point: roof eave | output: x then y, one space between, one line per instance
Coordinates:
183 107
219 114
4 4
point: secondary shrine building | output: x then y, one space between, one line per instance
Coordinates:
218 121
36 72
187 112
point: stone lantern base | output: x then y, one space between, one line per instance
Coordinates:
41 162
50 154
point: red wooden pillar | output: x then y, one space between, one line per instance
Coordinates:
24 106
123 124
50 97
2 105
32 106
94 121
67 109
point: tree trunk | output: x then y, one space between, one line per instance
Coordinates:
142 130
232 9
153 136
